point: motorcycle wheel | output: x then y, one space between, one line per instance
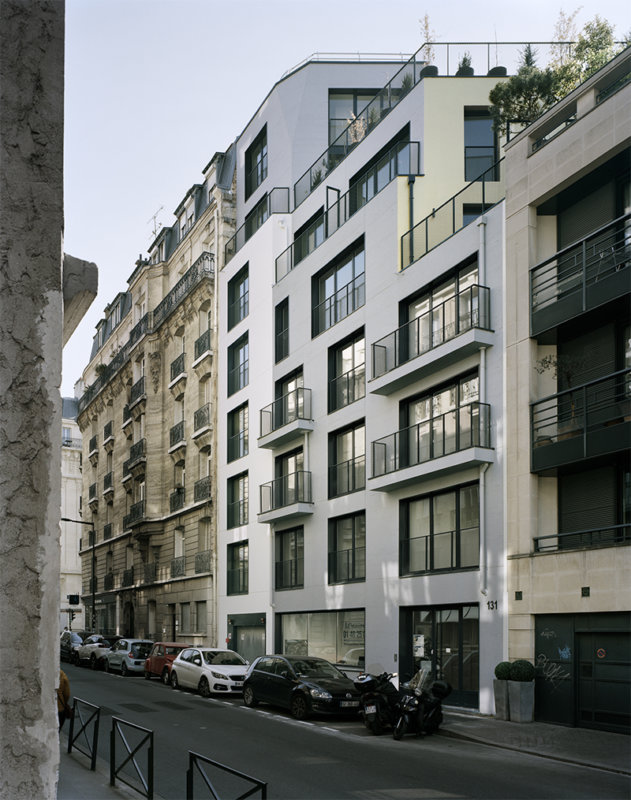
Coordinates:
400 729
376 727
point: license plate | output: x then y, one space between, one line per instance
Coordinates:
370 709
238 683
349 703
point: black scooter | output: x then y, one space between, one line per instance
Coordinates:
420 709
379 701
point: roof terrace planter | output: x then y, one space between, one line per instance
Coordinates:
202 354
177 384
178 567
176 499
285 498
589 421
137 513
447 333
177 442
202 489
203 561
591 272
442 445
138 398
286 419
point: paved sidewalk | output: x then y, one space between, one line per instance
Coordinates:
600 749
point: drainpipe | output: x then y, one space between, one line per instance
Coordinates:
215 339
482 251
483 552
411 180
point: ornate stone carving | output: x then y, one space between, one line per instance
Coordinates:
155 363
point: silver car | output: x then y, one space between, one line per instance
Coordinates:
128 656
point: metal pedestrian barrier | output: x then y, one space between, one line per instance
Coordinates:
84 729
196 764
123 732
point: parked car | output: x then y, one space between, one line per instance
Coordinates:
160 659
94 649
68 644
209 670
128 656
302 684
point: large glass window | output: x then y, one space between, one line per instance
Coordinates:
440 531
347 372
290 559
281 330
238 297
238 432
237 577
480 145
338 290
237 511
344 106
347 460
256 163
338 636
238 365
347 548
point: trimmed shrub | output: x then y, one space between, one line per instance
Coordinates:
502 670
522 670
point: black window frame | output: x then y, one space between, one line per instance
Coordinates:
348 476
238 425
238 500
355 387
472 171
256 163
239 296
281 330
329 308
238 368
238 568
356 568
291 539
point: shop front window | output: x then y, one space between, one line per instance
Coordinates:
337 636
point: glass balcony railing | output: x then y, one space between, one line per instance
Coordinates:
443 550
458 314
285 491
339 305
289 574
583 276
290 407
404 158
464 427
347 565
456 213
348 476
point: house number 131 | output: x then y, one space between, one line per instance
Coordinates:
491 605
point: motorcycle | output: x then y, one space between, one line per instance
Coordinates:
420 708
379 700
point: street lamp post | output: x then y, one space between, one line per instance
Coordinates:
93 532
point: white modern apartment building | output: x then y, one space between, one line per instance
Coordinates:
71 610
360 448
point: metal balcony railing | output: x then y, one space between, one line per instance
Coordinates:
136 514
107 430
588 273
201 418
238 445
202 344
346 388
201 490
202 561
347 565
108 582
108 482
464 427
92 491
339 305
176 499
137 390
289 574
458 314
348 476
107 531
176 433
137 451
237 580
446 550
178 567
237 513
93 445
576 540
178 366
150 572
290 407
286 490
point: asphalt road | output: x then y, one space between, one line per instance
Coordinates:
322 758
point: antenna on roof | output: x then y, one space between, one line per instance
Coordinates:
156 225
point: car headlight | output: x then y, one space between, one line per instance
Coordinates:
218 675
320 694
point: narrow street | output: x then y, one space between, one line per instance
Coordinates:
322 758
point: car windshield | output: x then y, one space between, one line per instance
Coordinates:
173 651
314 668
228 658
141 649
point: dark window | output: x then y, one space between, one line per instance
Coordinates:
344 106
480 145
338 290
238 500
256 163
238 297
347 372
440 531
281 330
347 460
256 217
238 433
347 548
237 576
290 559
238 365
289 483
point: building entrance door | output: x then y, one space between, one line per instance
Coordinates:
604 681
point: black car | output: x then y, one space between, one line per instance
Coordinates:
303 684
69 643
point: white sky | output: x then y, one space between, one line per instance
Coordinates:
155 87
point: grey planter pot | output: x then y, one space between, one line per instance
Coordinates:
521 699
500 690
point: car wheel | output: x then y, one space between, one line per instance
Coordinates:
204 688
92 661
147 676
299 707
174 681
165 677
248 697
124 670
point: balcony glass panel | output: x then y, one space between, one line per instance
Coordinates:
350 476
464 427
285 491
290 407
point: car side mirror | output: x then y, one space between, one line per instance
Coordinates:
284 674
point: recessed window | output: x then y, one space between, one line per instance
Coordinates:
238 297
338 290
289 563
347 548
237 576
256 163
347 460
238 365
238 495
238 432
347 372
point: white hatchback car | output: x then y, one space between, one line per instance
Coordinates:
209 670
128 656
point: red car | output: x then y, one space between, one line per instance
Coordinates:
159 660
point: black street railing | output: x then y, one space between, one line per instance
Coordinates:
464 427
84 729
128 743
197 768
458 314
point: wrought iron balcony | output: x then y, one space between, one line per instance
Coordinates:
287 417
202 561
202 344
176 433
587 421
108 483
137 452
92 491
176 499
93 445
136 514
587 274
137 391
107 531
202 418
609 536
286 492
348 476
150 572
201 490
128 577
178 567
108 582
447 550
107 430
178 366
